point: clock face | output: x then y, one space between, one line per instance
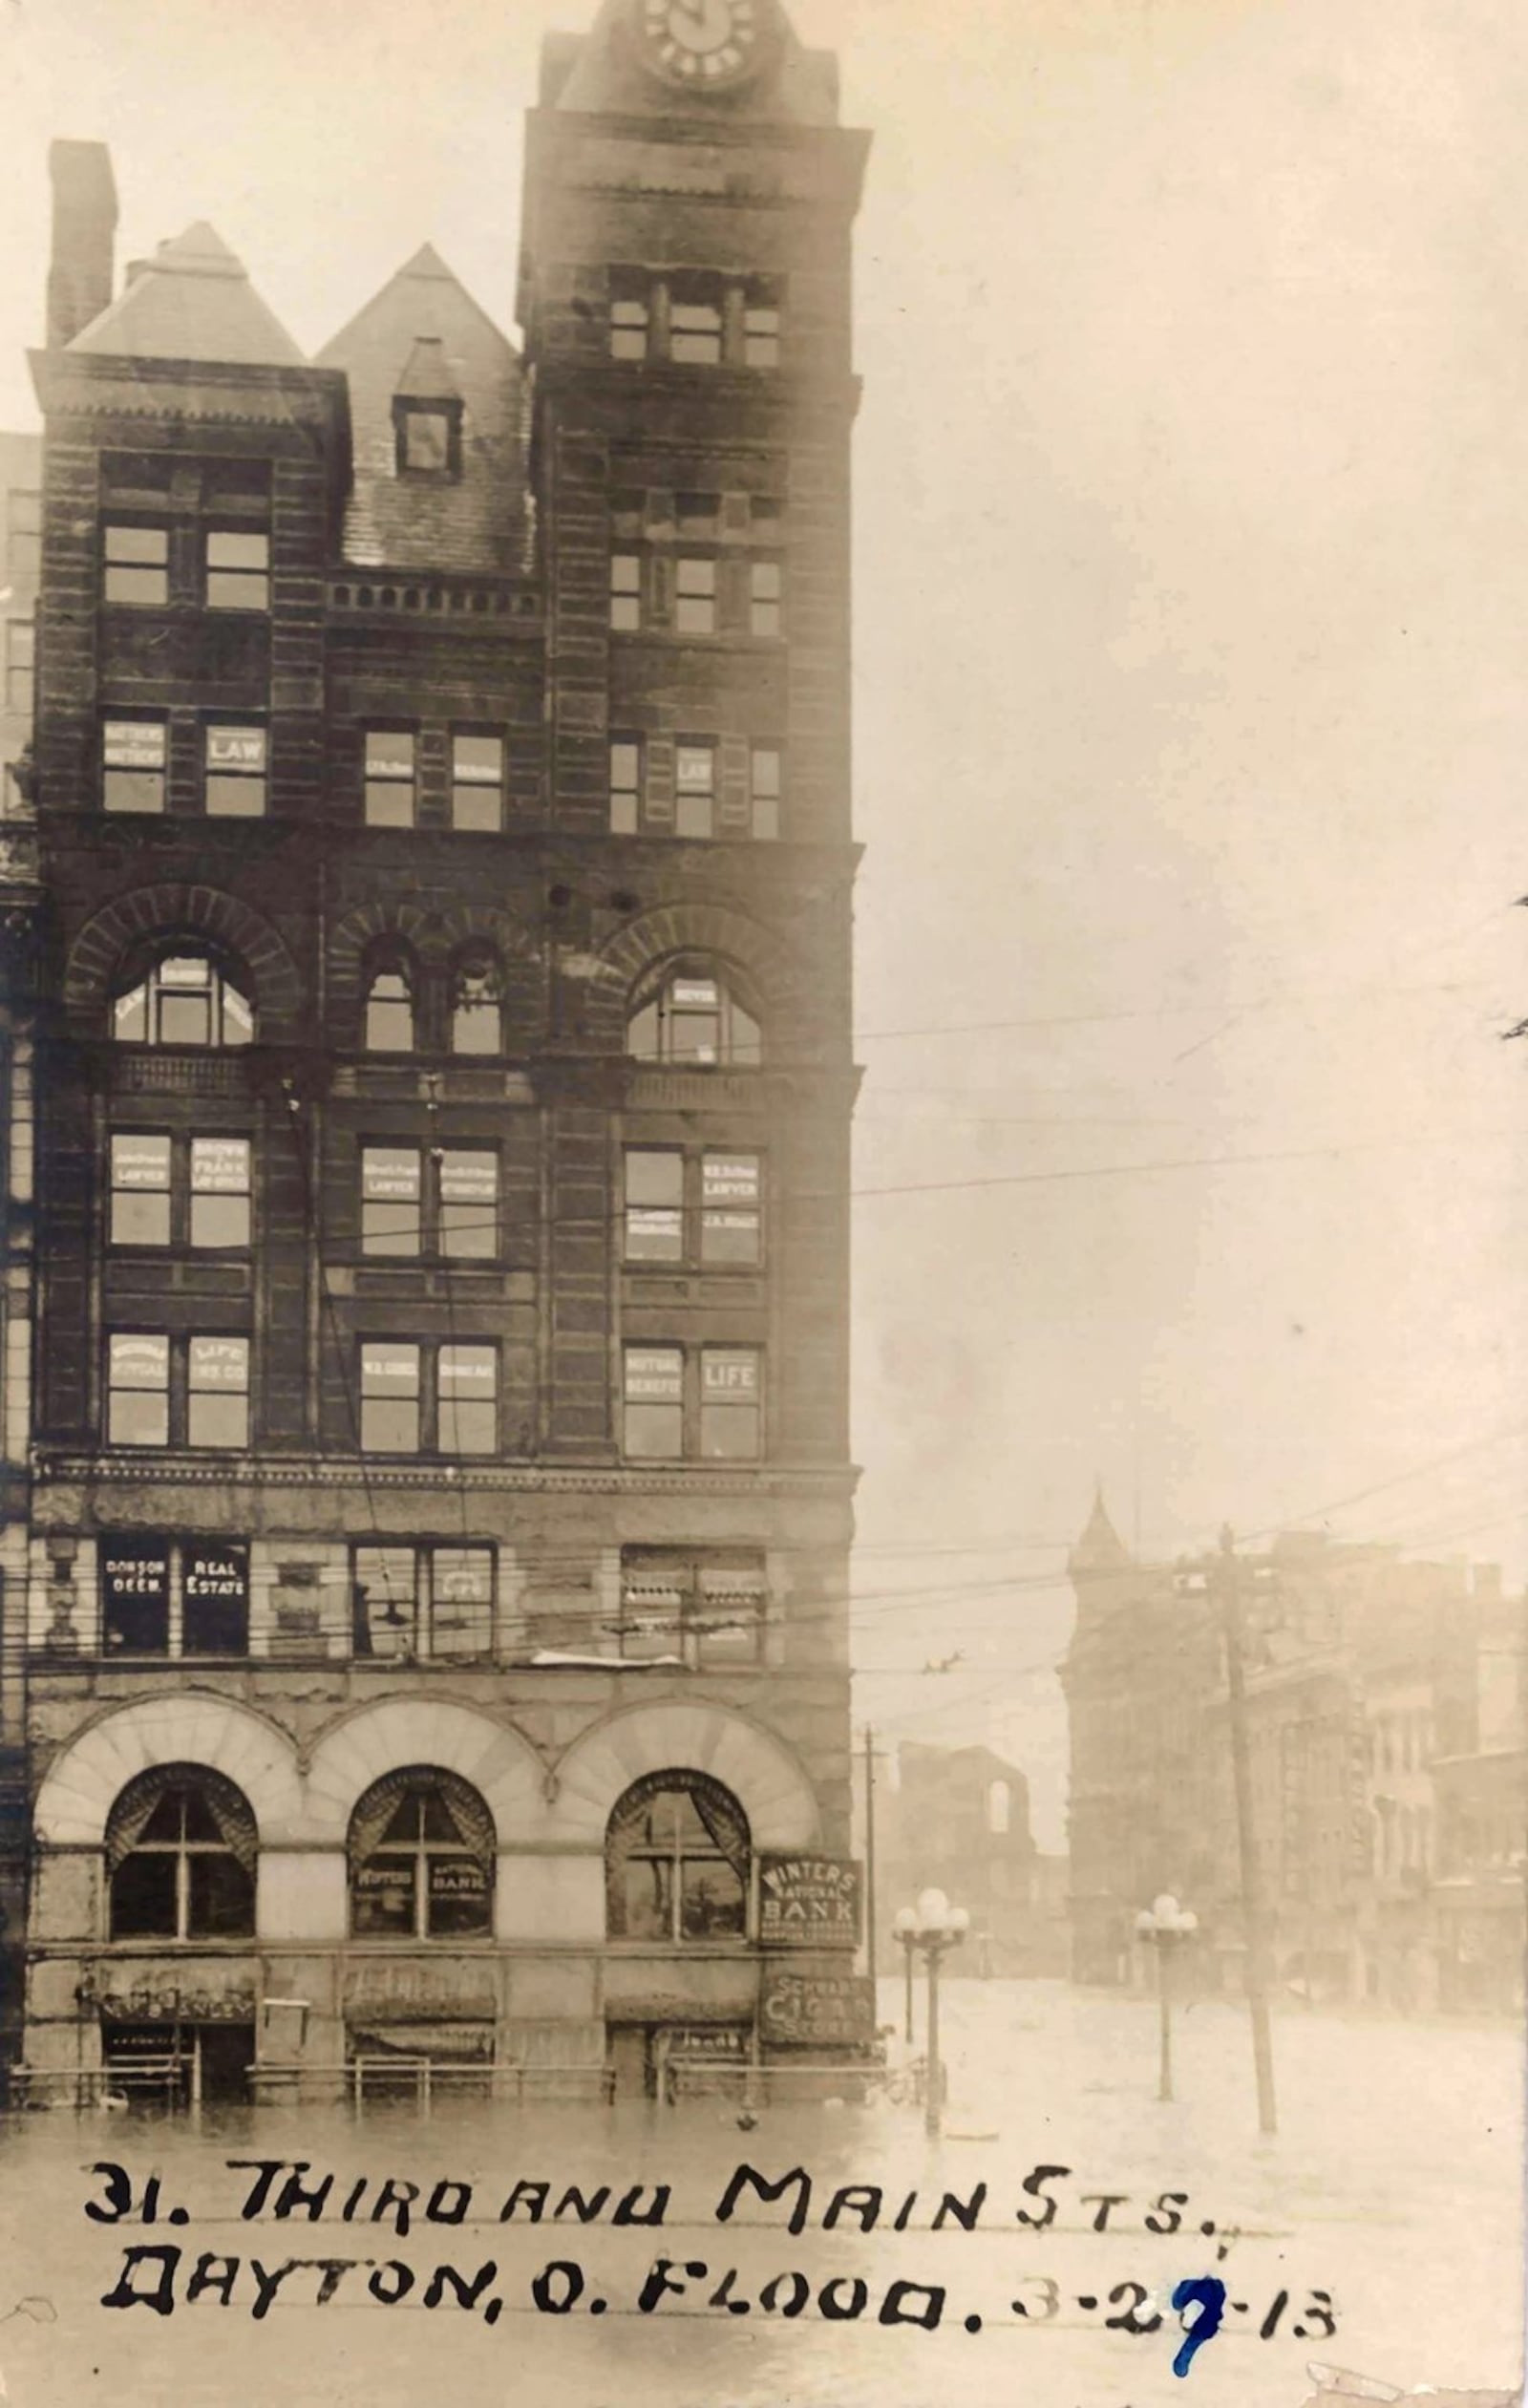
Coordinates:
704 44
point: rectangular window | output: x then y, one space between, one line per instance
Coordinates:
626 785
626 591
217 1409
695 328
235 780
238 569
695 597
390 776
23 534
654 1203
134 564
761 326
135 1576
219 1191
390 1397
467 1399
655 1402
391 1199
730 1403
141 1189
694 788
764 587
468 1204
138 1389
425 440
214 1597
630 317
421 1602
21 654
478 782
705 1608
132 758
764 791
730 1195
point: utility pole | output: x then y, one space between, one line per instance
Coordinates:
1227 1576
870 1858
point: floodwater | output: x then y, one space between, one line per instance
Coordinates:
1387 2208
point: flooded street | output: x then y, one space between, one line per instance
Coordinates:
1392 2162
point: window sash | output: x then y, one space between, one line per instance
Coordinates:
467 1399
134 754
626 786
392 1200
235 772
426 439
478 782
696 595
134 564
238 568
626 592
391 775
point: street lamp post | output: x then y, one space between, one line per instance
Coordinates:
906 1939
935 1926
1165 1926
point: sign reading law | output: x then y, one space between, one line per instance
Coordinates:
809 1902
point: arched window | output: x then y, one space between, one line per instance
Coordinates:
184 999
390 1008
421 1851
693 1018
180 1851
476 1005
676 1861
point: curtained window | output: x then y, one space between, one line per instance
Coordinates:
676 1861
180 1853
421 1855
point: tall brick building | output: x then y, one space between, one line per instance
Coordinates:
439 1495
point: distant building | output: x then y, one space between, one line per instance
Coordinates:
1385 1743
957 1818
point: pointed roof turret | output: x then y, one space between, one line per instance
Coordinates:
193 300
1100 1548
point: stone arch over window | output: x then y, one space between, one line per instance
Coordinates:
677 1859
148 922
474 998
421 1848
761 966
496 1761
768 1781
84 1781
181 1851
390 999
695 1012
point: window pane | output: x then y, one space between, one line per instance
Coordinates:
382 1895
626 590
389 1368
228 548
143 1897
133 753
390 758
218 1401
390 1194
426 438
730 1611
214 1421
695 610
136 563
383 1600
469 1204
730 1403
467 1389
138 1386
235 784
649 1897
626 786
462 1581
765 788
389 1426
215 1598
729 1208
222 1898
695 331
219 1191
141 1190
655 1194
654 1400
711 1900
134 1577
388 1014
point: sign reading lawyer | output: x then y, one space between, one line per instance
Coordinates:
809 1902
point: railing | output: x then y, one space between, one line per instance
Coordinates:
99 2089
426 2081
778 2084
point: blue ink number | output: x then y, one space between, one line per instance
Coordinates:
1207 2294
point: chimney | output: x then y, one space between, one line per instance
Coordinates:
80 273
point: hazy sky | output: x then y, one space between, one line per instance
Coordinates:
1192 481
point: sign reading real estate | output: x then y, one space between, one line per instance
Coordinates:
817 2010
809 1902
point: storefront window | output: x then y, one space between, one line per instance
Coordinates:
421 1855
677 1862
